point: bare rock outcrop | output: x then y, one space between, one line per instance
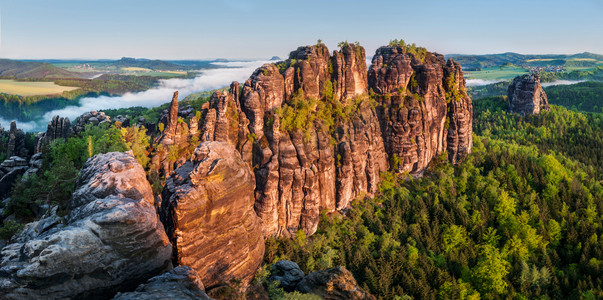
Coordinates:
424 108
334 284
208 214
179 283
93 117
349 72
526 96
110 240
16 142
10 171
287 273
58 128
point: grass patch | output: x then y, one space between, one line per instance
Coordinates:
496 73
583 59
541 59
32 88
136 69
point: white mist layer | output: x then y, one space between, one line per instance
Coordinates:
207 80
561 82
478 82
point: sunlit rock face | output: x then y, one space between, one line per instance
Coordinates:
526 96
417 109
208 214
424 108
110 240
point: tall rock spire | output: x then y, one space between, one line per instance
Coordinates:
173 116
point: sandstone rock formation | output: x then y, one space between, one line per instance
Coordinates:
418 110
424 108
334 284
58 128
185 112
208 214
172 144
110 240
179 283
16 142
526 96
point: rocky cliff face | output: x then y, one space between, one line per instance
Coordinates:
304 164
207 211
424 108
110 240
526 96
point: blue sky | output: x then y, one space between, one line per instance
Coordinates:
259 29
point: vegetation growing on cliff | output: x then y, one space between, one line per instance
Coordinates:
419 53
301 112
62 160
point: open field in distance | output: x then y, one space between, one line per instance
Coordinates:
496 73
28 88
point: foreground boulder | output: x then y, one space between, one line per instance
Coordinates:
526 96
110 241
179 283
207 211
334 284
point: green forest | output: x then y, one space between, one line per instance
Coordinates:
520 218
583 96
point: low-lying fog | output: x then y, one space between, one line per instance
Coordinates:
561 82
207 80
477 82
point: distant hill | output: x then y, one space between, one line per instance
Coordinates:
128 62
476 62
32 69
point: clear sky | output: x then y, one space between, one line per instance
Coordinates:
260 29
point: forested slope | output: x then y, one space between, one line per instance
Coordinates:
521 218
